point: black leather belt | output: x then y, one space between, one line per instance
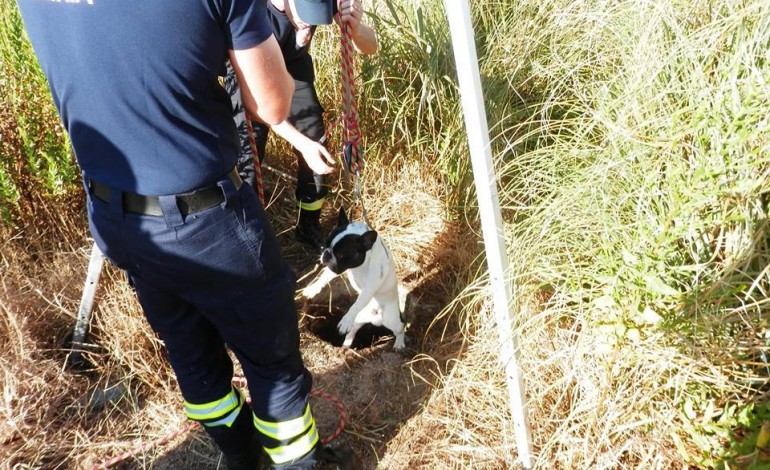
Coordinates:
188 203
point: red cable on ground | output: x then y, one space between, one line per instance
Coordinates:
145 447
194 424
340 409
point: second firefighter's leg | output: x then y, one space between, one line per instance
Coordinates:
307 116
310 202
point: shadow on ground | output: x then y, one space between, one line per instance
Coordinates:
375 384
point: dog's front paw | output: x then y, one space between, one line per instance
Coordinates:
345 324
312 290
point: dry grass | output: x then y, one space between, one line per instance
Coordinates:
632 142
49 417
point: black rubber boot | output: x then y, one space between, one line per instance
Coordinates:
239 443
337 459
308 231
324 458
249 461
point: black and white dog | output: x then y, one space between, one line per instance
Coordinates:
355 249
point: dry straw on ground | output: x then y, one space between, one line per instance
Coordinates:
632 144
54 417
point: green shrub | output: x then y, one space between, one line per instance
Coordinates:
34 151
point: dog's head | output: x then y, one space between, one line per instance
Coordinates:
347 245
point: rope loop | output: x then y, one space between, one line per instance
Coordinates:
351 157
352 154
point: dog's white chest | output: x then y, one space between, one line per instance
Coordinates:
377 270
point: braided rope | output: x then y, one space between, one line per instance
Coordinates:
144 447
255 155
352 152
349 109
340 409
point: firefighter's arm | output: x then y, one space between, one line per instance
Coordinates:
364 38
314 153
266 86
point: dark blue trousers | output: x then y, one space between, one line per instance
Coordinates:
208 279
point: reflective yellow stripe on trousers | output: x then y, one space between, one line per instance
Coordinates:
223 411
300 435
311 206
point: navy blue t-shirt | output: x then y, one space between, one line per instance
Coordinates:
136 84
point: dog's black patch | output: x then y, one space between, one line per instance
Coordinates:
342 224
349 251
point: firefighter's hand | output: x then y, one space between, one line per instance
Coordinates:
317 157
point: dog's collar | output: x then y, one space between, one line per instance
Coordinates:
354 228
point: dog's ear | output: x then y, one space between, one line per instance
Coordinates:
342 218
368 239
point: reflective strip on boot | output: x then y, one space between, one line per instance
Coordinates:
316 205
295 437
222 412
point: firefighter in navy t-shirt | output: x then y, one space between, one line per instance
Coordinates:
294 23
137 87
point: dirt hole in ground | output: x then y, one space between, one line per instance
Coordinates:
322 323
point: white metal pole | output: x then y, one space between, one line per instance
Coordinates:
458 14
95 264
